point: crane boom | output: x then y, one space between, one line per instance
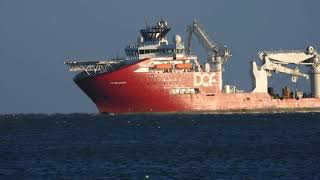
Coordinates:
274 67
202 36
275 61
212 48
216 55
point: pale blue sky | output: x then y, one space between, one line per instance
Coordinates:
37 36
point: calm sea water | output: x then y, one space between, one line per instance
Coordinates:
89 146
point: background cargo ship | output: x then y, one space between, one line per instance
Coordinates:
158 76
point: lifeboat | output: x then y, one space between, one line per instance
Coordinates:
163 66
183 66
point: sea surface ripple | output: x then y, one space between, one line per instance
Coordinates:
207 146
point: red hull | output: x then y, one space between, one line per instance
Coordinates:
126 91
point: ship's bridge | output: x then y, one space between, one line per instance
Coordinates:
156 32
153 43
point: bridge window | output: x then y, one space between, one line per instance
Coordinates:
141 51
169 51
175 91
132 52
179 51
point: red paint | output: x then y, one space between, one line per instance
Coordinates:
126 91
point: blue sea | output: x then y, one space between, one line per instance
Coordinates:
206 146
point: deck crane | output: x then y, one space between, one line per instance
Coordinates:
272 63
216 55
275 61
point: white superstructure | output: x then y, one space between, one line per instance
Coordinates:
154 43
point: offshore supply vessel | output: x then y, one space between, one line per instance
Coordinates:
158 76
